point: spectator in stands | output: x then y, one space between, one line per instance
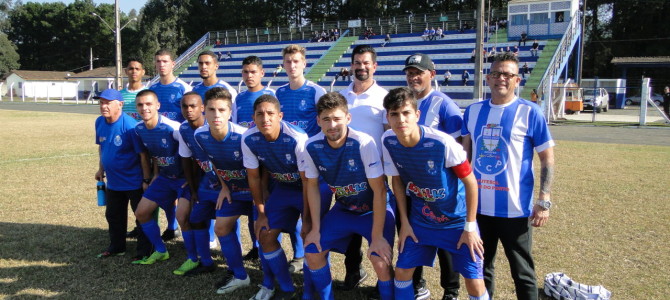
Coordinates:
666 101
524 37
426 34
337 33
447 76
439 33
472 56
533 95
508 50
229 55
324 36
491 54
524 70
386 40
331 35
278 70
465 77
431 34
534 48
346 74
218 42
516 51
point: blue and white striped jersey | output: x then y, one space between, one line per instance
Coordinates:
299 106
165 146
243 109
169 95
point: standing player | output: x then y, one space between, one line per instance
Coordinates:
224 192
501 133
135 72
208 63
440 112
365 99
169 89
425 165
299 96
298 100
120 163
164 144
278 147
350 163
243 111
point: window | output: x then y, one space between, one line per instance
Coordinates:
539 18
519 19
559 17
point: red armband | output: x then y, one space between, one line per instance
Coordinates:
462 170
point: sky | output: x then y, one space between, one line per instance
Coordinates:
125 5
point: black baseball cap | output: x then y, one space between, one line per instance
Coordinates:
420 61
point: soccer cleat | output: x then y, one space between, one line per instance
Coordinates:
170 234
156 256
422 293
138 259
201 269
352 280
233 284
188 265
281 295
133 233
252 255
295 265
107 254
263 294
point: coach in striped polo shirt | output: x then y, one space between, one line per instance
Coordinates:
501 135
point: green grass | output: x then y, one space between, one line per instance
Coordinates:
609 225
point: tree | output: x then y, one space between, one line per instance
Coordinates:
9 59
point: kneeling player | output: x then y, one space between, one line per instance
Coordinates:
426 164
226 190
350 163
279 148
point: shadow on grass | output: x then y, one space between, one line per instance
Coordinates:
54 261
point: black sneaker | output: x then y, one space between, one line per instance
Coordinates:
374 294
352 280
421 293
133 233
201 270
449 297
227 276
169 235
252 255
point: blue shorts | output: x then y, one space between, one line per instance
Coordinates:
204 209
423 253
339 225
164 191
284 206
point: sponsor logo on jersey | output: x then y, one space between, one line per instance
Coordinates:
228 175
426 211
349 190
427 194
318 146
205 165
301 124
285 177
322 169
372 164
429 144
163 161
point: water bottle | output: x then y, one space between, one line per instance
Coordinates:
101 193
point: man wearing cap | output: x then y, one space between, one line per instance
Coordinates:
120 164
440 112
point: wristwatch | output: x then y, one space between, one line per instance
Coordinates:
146 180
544 204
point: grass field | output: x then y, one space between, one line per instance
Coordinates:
609 225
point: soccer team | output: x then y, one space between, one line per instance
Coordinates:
405 161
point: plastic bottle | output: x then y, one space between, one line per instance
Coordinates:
101 193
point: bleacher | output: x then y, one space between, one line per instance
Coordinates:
453 52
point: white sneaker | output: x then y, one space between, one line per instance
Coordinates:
263 294
233 284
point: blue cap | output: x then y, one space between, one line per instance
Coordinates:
110 94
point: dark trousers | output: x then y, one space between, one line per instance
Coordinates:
116 214
353 257
516 236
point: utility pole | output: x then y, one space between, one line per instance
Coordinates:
117 32
90 61
581 47
478 89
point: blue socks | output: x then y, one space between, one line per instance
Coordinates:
171 216
231 250
385 289
212 235
323 282
482 297
308 283
268 276
189 244
403 289
279 266
202 246
153 233
296 241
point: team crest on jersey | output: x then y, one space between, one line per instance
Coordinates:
118 141
491 154
351 165
303 105
289 158
164 143
430 167
236 155
427 194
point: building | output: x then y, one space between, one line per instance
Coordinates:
540 19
